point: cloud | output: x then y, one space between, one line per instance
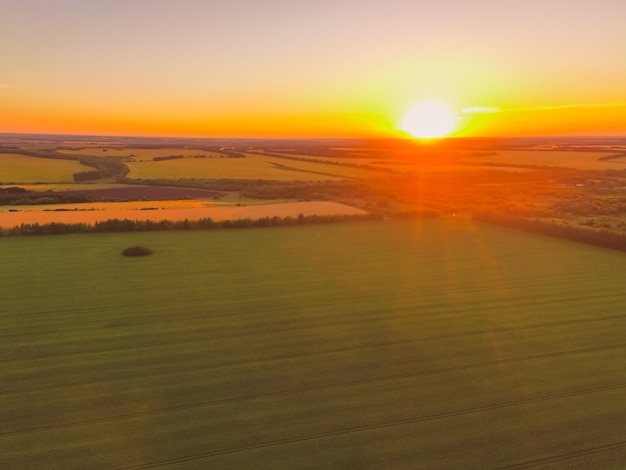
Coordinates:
481 110
494 109
583 105
566 106
4 85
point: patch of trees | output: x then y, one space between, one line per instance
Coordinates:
13 190
167 157
590 206
231 154
83 176
588 235
72 149
25 197
105 167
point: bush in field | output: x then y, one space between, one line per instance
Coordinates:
137 251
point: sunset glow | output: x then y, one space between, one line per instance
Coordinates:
324 69
429 120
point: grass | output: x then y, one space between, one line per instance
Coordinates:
15 168
433 344
251 167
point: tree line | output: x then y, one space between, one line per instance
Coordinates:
167 157
105 167
128 225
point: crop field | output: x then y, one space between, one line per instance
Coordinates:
565 159
156 211
409 164
576 160
70 186
139 154
393 344
251 167
15 168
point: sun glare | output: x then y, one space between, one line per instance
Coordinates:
429 120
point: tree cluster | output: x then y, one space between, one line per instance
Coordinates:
13 190
588 235
167 157
104 168
592 206
26 197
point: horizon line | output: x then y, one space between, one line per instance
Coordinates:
380 137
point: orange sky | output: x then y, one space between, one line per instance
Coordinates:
306 69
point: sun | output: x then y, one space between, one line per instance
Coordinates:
429 120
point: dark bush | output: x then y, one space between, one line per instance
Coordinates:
137 251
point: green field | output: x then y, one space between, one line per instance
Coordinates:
251 167
15 168
428 344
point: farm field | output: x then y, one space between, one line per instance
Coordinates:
395 344
251 167
16 168
139 154
410 165
165 210
69 186
466 161
576 160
